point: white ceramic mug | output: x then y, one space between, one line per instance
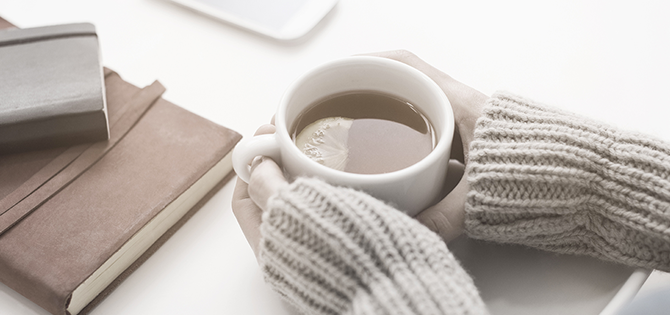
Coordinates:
411 189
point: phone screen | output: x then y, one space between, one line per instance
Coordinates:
272 14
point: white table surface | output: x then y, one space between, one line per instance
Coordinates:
598 58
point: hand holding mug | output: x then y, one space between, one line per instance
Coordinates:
445 217
411 188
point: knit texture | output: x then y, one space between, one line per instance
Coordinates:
556 181
333 250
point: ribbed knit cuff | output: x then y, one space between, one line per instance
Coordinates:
333 250
553 180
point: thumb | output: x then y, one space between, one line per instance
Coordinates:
266 180
446 218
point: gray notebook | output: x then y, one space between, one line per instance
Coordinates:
51 88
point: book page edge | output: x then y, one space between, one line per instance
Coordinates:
146 236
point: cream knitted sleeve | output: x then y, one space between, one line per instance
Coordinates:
333 250
560 182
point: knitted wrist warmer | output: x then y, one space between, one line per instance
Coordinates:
333 250
556 181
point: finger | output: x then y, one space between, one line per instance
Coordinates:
265 129
265 181
448 84
413 60
248 215
466 102
458 150
446 218
459 94
262 130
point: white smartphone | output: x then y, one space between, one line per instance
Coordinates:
280 19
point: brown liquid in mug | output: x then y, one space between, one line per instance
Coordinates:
364 132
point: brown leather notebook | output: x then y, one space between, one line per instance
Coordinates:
74 221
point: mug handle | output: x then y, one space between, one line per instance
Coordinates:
247 149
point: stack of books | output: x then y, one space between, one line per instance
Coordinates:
82 207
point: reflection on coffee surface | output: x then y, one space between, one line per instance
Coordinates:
364 132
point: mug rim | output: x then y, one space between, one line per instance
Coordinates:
433 157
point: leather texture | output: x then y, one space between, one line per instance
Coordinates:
70 208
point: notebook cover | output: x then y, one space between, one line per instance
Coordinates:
78 205
149 252
51 87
